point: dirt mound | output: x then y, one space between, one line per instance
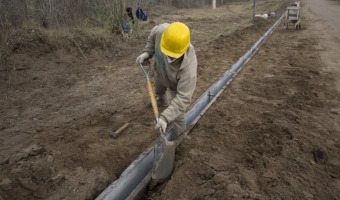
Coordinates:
42 79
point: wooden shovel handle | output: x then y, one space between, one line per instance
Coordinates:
153 99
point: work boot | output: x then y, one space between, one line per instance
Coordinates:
160 102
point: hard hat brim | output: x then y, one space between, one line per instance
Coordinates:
170 54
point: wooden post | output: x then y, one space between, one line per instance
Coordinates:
213 4
122 8
254 9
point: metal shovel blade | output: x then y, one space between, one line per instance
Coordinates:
164 159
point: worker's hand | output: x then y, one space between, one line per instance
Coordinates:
140 59
161 124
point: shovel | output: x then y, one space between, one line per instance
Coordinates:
164 150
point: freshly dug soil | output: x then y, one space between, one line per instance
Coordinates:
272 134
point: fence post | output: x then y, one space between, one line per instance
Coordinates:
254 9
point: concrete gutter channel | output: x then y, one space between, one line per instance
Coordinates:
133 181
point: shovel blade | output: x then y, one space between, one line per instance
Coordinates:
164 159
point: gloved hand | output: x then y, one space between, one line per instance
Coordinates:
161 124
140 59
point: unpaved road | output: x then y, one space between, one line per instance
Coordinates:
327 11
326 26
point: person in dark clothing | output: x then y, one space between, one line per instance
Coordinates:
129 14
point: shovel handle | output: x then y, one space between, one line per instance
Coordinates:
153 100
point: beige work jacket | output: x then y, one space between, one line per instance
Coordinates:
180 76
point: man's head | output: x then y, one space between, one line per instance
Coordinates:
175 40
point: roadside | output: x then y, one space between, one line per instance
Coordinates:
326 27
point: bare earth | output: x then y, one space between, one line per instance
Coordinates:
273 133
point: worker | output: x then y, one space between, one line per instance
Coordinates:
175 70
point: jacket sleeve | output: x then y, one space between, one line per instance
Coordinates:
151 42
185 89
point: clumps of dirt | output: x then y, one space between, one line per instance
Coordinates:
36 171
320 155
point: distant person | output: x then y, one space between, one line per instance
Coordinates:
130 15
175 70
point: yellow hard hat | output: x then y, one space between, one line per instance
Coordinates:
175 40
